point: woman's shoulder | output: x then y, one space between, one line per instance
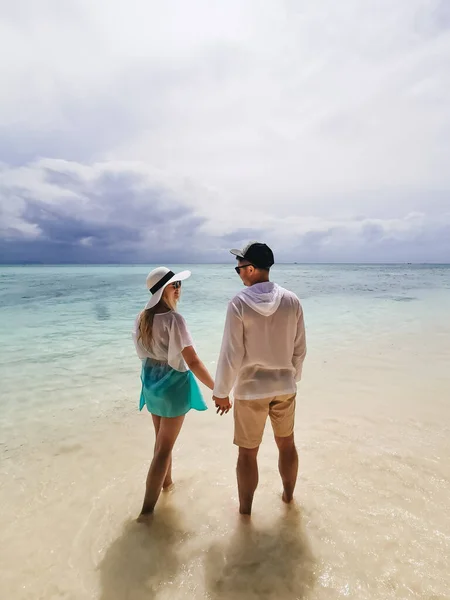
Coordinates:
177 318
171 316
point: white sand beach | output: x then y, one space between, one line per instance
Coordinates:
371 518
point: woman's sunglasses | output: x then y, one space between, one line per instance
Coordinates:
238 269
176 284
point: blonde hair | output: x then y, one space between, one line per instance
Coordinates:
146 319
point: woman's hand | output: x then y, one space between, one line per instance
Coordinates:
223 405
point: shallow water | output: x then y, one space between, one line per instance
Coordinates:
372 516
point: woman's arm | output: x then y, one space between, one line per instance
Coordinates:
197 367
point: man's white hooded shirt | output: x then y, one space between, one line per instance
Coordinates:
263 346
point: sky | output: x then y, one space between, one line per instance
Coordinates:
158 132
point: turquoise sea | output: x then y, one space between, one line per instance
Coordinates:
373 430
65 330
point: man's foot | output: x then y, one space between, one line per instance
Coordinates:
245 511
245 518
287 499
168 488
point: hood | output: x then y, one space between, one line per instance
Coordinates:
264 298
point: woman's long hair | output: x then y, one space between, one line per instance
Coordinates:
146 320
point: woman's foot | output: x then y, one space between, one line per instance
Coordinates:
167 482
145 518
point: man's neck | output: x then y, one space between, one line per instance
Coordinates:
262 280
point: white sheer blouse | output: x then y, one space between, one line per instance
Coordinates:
170 336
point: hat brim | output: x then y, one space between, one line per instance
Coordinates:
237 253
156 297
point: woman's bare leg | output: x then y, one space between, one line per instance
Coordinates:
169 428
168 479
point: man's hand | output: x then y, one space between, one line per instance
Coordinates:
223 405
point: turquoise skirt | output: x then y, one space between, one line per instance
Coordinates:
167 392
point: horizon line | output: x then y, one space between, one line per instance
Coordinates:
293 263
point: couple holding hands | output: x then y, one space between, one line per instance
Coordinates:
261 358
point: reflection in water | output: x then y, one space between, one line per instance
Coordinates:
102 312
274 564
142 559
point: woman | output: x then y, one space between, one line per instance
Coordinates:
169 389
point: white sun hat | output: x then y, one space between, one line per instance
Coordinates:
159 279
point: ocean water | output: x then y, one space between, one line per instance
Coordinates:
372 515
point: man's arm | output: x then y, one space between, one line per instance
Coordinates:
230 359
299 346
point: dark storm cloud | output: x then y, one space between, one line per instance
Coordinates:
71 213
60 211
68 229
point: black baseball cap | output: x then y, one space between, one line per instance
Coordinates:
259 255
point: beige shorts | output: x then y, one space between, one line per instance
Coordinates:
250 419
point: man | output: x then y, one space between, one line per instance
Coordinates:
262 354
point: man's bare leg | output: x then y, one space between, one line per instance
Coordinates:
287 465
168 479
247 477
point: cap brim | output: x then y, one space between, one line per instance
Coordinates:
237 253
157 297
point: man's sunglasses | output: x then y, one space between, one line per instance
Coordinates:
238 269
176 284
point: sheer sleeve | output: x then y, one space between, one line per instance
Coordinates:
179 339
299 346
135 333
231 353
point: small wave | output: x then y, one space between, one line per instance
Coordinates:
404 298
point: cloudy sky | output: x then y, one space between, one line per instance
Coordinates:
144 131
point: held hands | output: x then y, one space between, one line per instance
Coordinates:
223 405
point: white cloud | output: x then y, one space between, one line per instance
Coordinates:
294 116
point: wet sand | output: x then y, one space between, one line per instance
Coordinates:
371 518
